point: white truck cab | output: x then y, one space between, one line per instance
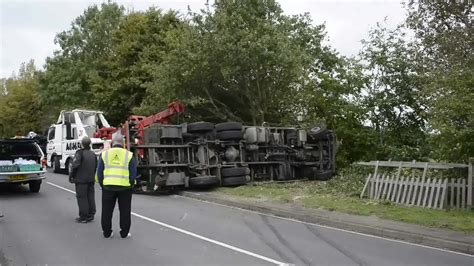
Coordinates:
64 137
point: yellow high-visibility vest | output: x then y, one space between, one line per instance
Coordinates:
116 161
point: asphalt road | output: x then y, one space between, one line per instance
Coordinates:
172 230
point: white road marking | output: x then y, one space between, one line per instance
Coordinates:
63 188
210 240
329 227
243 251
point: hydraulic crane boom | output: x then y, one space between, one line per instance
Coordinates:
162 117
137 123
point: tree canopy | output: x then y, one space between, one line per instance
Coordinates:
20 106
407 95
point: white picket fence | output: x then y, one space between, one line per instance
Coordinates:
424 192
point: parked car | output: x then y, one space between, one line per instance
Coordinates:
22 150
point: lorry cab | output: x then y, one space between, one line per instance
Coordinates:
64 137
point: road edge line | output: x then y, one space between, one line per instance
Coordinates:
265 211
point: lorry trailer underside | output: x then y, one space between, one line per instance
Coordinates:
203 154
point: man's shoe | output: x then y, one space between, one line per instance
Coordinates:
90 219
127 236
110 236
81 220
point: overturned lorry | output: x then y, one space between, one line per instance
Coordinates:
202 154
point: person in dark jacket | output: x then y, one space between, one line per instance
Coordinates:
116 174
82 174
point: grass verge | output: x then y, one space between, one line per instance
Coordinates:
341 194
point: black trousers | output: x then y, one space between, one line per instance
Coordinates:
124 198
85 199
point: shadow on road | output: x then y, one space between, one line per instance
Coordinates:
15 190
172 191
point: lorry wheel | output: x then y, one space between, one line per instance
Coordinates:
236 171
323 176
200 127
228 126
318 132
230 135
56 165
312 173
234 181
203 181
35 186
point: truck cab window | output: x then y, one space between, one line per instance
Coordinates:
74 133
51 133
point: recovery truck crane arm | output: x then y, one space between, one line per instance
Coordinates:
139 123
162 117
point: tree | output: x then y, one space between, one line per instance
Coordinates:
107 60
20 105
332 96
246 61
394 102
139 44
444 32
240 61
76 70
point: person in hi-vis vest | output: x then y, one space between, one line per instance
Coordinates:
116 173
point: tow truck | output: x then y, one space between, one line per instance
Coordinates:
64 137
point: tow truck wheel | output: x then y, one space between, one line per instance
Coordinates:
67 166
35 186
56 165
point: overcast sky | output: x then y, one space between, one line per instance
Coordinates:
28 27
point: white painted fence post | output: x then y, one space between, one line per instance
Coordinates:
470 200
365 185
